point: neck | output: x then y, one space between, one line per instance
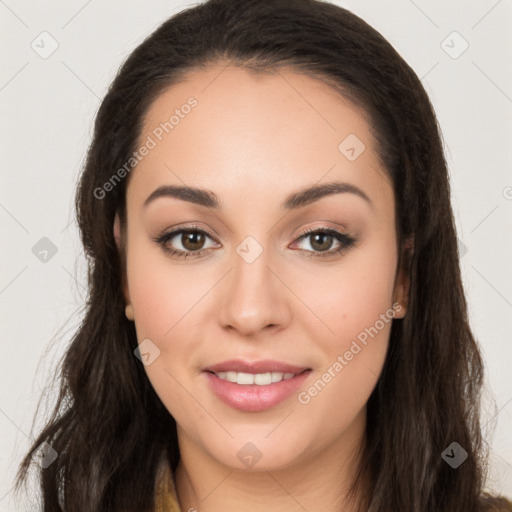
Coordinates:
319 482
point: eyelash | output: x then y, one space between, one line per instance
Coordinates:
346 241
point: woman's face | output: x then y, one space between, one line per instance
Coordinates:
245 286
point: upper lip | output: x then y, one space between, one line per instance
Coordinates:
262 366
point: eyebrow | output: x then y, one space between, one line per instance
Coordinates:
294 201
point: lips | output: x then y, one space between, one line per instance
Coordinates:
249 396
262 366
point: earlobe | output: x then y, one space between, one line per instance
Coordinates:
400 299
117 237
402 286
128 311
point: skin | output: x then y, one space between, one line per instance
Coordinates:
253 139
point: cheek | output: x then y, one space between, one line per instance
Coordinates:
350 297
166 304
161 293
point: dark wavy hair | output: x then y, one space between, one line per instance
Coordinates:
109 427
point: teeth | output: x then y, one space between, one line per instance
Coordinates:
231 376
245 378
260 379
263 379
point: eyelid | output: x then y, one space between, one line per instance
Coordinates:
324 228
345 240
194 227
175 231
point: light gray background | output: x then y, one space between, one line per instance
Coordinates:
48 106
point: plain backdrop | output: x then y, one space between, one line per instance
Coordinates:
462 51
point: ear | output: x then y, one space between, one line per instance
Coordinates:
402 285
117 231
121 250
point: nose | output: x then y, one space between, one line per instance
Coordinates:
254 298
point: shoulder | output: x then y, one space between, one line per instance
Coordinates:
490 503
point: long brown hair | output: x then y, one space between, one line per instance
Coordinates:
110 429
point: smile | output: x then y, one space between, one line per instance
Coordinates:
260 379
254 392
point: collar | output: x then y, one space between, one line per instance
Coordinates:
166 497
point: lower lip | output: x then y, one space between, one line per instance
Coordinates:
254 398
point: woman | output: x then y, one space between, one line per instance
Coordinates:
276 319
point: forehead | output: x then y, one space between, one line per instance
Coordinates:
236 131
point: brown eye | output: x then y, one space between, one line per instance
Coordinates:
321 241
185 242
325 242
192 240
